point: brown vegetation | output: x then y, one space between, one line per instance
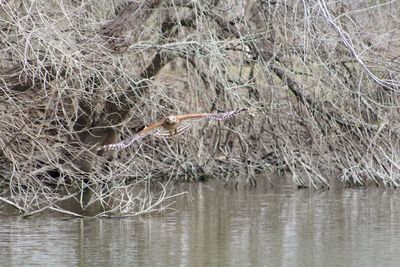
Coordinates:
322 77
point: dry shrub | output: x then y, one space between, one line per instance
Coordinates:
321 77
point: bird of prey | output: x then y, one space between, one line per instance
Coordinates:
171 125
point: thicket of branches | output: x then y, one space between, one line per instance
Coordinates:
322 77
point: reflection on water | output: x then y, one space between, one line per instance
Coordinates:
265 226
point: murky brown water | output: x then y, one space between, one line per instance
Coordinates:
279 226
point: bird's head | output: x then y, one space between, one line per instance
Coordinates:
171 119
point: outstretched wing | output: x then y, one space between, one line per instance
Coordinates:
158 130
213 116
127 142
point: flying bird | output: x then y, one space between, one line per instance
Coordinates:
172 125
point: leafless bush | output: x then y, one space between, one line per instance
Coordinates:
322 77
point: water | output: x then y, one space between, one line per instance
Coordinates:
214 226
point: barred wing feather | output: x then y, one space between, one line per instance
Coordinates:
212 116
182 127
225 115
125 143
